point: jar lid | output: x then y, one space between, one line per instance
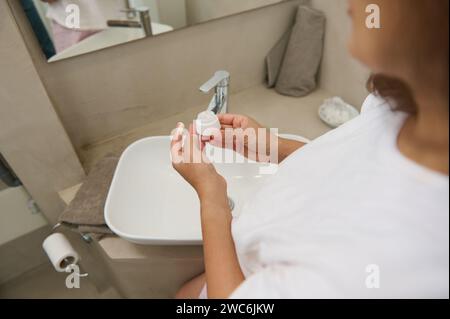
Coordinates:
206 122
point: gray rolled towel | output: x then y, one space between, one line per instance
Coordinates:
293 63
275 58
85 213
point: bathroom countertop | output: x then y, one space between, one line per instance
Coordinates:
118 248
290 115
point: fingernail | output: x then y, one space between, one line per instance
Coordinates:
179 130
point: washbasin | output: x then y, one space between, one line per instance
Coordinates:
150 203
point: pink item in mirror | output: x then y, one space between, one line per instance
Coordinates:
64 38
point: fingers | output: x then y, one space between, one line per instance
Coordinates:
226 119
176 144
187 146
203 139
194 151
232 120
191 140
229 121
177 133
217 139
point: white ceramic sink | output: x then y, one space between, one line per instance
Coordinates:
150 203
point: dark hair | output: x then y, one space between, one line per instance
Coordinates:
432 44
396 91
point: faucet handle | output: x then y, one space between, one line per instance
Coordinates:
220 78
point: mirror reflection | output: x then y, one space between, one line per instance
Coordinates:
66 28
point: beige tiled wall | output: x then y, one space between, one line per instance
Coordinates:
32 139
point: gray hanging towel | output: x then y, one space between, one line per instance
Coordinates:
275 59
85 212
293 63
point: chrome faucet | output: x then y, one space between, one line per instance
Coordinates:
220 83
144 20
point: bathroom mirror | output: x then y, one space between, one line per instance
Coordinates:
67 28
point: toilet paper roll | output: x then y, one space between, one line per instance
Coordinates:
60 252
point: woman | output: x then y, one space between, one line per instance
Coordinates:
361 212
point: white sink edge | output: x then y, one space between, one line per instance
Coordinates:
161 240
134 238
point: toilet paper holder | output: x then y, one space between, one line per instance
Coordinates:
67 262
86 238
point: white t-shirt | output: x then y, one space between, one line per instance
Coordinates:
346 214
93 13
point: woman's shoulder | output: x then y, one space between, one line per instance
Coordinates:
374 102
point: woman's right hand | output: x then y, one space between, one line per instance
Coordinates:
241 127
240 130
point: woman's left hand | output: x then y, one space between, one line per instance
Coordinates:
223 272
190 161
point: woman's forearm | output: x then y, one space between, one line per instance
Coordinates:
223 273
286 147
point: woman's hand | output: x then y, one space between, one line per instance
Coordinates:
223 273
244 137
190 161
